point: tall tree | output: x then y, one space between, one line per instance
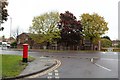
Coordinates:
44 27
106 37
70 29
93 26
3 12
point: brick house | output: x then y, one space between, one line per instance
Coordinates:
25 38
115 43
10 40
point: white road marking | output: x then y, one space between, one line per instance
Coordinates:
56 74
102 67
49 74
53 75
91 60
49 77
57 77
47 71
55 70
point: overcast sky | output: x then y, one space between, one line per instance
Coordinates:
23 11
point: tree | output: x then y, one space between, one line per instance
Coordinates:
106 37
13 44
3 38
70 29
3 12
106 43
93 26
44 27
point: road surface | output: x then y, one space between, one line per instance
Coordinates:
80 64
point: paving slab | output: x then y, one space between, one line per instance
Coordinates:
37 65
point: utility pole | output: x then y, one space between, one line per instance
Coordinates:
10 28
119 20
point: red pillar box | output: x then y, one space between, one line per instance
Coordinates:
25 53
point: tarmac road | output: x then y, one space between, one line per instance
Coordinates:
79 64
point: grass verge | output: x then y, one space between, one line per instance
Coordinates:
12 65
0 66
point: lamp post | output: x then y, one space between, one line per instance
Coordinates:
10 28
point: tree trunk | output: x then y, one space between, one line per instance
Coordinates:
92 45
47 46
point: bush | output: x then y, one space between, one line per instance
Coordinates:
106 43
118 45
116 50
13 45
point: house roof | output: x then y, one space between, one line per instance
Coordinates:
24 33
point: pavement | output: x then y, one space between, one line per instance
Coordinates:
39 67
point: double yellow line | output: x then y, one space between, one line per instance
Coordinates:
47 71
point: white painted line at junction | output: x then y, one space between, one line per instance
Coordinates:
57 77
102 67
50 73
55 70
56 74
91 60
49 77
47 71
